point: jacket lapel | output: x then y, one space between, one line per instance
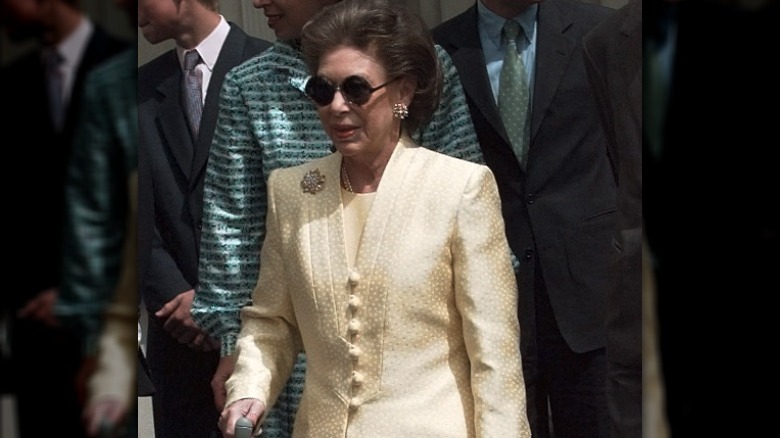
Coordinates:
323 216
170 119
469 59
553 51
326 227
385 217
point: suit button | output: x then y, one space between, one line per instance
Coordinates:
529 254
200 225
529 198
354 403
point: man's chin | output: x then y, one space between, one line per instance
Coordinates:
20 35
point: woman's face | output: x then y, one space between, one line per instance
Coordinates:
360 130
287 17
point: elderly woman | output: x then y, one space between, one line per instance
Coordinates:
385 261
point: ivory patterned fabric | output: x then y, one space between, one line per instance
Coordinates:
421 338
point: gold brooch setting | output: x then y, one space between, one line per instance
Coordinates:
312 181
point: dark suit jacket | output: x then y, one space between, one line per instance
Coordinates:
613 56
177 166
41 155
563 206
710 218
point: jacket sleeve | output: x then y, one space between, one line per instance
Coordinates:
269 340
234 200
94 219
486 296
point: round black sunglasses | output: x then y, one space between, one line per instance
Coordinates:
355 89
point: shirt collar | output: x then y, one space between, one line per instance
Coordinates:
73 46
210 47
492 24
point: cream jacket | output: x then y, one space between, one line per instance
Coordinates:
421 338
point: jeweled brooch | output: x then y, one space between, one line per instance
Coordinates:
312 181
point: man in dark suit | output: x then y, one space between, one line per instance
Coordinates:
711 136
558 200
41 107
176 139
613 57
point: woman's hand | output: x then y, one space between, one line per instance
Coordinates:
251 408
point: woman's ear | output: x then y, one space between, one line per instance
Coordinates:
407 89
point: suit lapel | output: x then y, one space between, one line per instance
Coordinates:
231 54
553 51
97 50
170 118
469 59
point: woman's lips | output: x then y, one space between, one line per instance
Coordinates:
344 132
272 20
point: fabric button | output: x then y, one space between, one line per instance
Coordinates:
354 352
355 403
354 302
353 326
354 278
357 378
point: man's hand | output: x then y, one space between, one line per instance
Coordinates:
181 326
224 369
41 308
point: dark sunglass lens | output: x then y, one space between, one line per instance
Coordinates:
320 90
356 89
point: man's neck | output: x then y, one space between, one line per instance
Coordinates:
66 22
203 25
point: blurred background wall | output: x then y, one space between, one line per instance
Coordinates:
253 22
103 12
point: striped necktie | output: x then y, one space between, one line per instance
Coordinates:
55 83
192 91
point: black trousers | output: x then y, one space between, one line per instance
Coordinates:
43 367
183 401
565 390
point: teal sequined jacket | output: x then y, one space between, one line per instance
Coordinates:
105 152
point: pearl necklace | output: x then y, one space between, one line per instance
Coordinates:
345 178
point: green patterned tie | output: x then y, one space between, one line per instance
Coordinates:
513 93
